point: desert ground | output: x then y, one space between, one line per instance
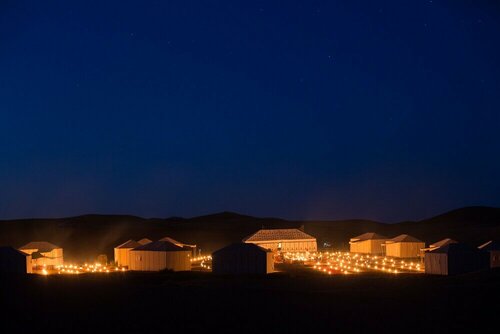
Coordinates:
294 300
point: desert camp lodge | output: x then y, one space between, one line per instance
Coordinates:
283 240
44 254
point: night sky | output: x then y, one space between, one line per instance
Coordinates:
387 110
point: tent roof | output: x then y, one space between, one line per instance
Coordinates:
144 241
404 238
491 245
42 246
159 246
455 248
279 234
242 246
175 242
368 236
11 250
443 242
129 244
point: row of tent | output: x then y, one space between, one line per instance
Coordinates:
402 246
445 257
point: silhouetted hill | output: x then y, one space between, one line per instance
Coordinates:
84 237
473 215
470 224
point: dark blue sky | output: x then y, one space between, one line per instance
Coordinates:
386 110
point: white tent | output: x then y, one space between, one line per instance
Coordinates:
367 243
404 246
160 255
44 253
455 258
242 258
122 252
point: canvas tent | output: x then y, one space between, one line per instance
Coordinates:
404 246
242 258
160 255
48 254
493 248
455 258
284 240
14 261
367 243
122 252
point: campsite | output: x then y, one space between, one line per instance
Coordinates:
278 276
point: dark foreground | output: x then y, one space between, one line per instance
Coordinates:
297 301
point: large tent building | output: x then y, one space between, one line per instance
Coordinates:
492 247
455 258
283 240
242 258
44 254
15 261
367 243
160 255
404 246
122 252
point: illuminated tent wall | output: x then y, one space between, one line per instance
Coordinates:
242 258
492 247
284 240
48 254
368 243
160 255
404 246
122 252
14 261
455 258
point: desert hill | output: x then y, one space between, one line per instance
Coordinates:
84 237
